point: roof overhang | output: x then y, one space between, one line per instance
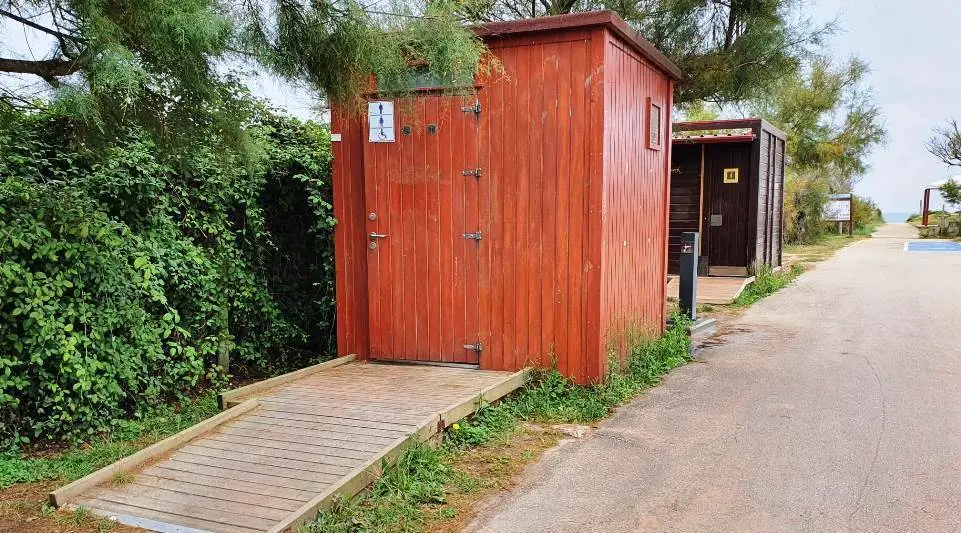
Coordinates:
607 19
756 125
715 139
940 183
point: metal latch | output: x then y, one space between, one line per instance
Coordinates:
476 108
476 172
477 235
477 347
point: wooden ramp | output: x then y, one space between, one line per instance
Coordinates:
713 290
286 448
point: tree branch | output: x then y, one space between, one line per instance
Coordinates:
27 22
48 69
946 144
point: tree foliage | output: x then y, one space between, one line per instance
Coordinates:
165 64
830 117
729 50
124 270
951 192
832 124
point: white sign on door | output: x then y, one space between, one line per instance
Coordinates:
380 119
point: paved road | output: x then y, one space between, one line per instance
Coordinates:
832 406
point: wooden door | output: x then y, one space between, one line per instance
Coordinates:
727 214
423 197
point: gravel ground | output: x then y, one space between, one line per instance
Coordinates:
833 405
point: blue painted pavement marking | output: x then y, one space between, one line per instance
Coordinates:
932 246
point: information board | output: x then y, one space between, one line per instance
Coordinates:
838 208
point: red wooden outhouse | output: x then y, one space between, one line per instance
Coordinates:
523 225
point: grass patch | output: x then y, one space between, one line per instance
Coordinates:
73 463
766 283
823 248
435 488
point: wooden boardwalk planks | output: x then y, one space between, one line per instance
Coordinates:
287 449
712 289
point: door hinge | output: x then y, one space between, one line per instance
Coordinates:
477 235
477 347
475 109
476 172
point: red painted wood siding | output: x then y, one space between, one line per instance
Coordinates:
535 287
350 256
635 197
566 181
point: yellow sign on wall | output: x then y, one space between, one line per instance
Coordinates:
731 175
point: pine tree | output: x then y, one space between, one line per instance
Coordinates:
165 64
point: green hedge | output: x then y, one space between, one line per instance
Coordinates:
123 270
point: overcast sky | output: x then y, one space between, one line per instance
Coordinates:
913 49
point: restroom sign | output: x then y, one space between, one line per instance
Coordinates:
731 175
380 119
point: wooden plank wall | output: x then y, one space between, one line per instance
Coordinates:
769 198
351 251
685 206
778 198
545 206
635 197
540 264
761 174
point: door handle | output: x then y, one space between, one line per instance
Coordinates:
374 236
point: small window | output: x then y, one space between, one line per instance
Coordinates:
654 122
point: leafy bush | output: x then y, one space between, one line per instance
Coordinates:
805 196
130 436
124 271
804 200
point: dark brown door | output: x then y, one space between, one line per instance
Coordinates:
726 213
422 224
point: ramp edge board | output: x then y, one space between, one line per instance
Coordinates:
231 398
744 285
145 523
365 474
65 494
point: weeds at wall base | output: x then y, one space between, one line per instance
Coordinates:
766 283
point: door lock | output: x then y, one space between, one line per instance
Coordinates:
476 347
477 235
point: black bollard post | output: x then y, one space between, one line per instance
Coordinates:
688 282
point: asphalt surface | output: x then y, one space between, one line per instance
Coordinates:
831 406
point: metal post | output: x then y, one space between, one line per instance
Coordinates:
925 207
687 295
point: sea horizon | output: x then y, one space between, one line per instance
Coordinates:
895 217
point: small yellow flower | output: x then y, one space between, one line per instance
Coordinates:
456 426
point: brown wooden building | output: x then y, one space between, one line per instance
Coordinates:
727 182
523 225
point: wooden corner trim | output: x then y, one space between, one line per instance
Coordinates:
65 494
233 397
